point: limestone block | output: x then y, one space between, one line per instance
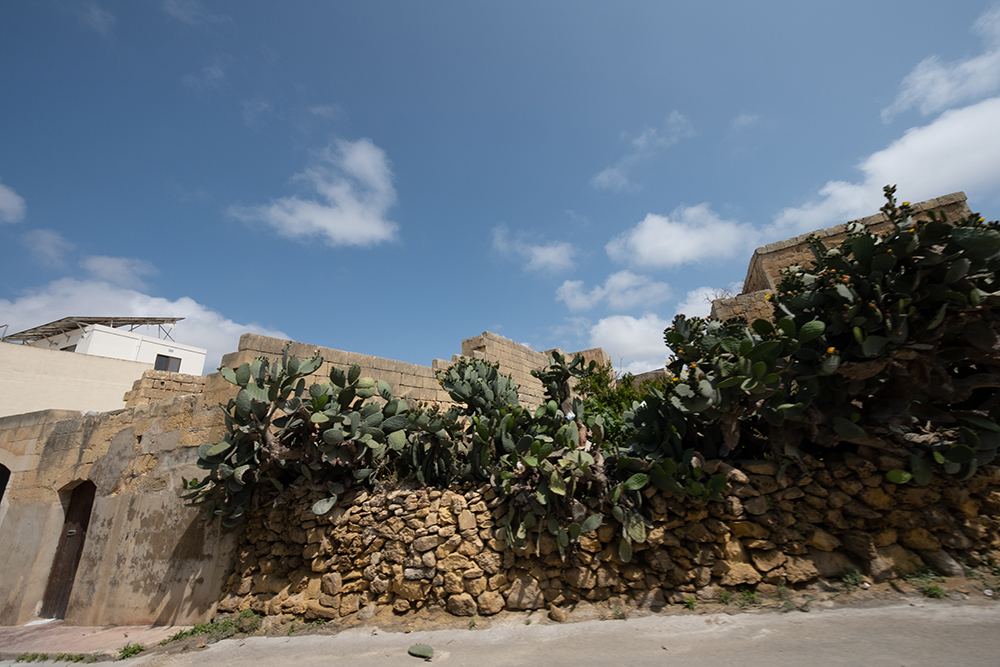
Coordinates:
462 604
490 602
920 538
822 540
734 574
799 570
524 593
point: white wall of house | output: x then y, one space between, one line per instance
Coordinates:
103 341
38 379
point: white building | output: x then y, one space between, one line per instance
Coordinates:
87 363
102 337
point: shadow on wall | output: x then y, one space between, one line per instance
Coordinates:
174 597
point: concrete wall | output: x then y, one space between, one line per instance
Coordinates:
35 379
147 558
764 272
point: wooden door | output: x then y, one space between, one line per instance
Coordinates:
68 552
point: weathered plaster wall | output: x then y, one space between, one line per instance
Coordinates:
35 379
411 549
146 559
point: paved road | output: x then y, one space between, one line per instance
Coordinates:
910 635
933 633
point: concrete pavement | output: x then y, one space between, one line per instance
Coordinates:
914 634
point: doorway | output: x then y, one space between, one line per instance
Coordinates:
4 478
74 533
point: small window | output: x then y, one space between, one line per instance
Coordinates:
165 363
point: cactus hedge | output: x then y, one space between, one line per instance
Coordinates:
887 345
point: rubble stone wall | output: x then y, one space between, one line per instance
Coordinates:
156 385
414 548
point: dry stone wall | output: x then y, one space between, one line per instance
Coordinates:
413 381
409 549
157 385
764 272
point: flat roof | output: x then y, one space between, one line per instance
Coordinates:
68 324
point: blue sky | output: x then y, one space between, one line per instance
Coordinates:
392 177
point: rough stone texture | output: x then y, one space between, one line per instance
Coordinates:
764 272
692 548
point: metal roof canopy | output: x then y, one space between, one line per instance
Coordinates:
68 324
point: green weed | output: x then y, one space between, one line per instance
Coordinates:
130 650
851 579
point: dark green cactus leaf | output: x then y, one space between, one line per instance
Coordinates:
960 454
321 507
874 345
863 248
977 241
421 651
763 327
625 550
242 375
354 373
365 387
898 476
396 440
218 450
922 472
811 330
228 375
243 404
395 423
637 482
636 529
333 436
847 429
557 484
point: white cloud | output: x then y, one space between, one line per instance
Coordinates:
94 17
121 271
353 181
614 177
698 302
933 85
191 12
743 121
689 234
549 257
635 344
617 176
326 110
12 206
48 247
572 330
210 78
201 326
254 110
621 291
954 152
